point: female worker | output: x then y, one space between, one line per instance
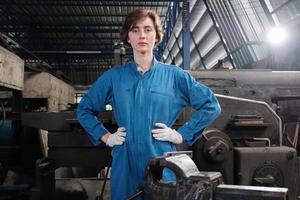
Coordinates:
147 96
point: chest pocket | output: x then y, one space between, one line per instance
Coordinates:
161 92
161 102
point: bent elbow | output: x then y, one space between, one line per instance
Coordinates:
216 109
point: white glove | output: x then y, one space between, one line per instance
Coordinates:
164 133
117 138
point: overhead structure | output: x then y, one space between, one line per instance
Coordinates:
77 38
232 34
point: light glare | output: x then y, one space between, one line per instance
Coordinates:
276 35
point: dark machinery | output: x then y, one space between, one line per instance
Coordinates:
255 140
68 145
279 90
193 184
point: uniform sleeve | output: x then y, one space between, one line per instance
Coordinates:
92 104
202 99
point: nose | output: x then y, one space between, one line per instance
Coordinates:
142 34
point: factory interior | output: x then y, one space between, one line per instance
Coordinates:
246 51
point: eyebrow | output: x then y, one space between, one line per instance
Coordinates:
134 26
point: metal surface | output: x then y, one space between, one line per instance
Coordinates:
185 163
233 106
268 175
190 183
58 121
214 152
200 186
267 166
68 146
260 111
238 192
186 34
50 121
279 89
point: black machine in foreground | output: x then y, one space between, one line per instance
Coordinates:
195 185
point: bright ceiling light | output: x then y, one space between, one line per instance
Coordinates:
276 35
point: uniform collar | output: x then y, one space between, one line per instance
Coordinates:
136 69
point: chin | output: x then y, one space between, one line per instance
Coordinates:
143 51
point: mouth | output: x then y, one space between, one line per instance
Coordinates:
142 43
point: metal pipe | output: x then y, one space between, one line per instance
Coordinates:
282 5
264 139
186 34
267 12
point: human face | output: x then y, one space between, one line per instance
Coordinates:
142 36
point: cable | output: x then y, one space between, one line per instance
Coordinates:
287 137
105 180
4 114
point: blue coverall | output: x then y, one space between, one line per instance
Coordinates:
139 101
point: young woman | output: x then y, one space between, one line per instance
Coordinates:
147 96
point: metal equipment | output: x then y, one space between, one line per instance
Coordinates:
267 166
193 184
216 149
254 140
278 89
68 145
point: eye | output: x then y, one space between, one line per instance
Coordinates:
148 30
134 30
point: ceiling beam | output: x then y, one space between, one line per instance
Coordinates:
59 53
65 15
60 30
45 24
55 15
63 37
154 3
69 41
107 54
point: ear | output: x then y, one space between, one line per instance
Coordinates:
128 40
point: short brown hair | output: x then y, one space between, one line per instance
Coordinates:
136 15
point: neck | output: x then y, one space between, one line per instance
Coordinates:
143 60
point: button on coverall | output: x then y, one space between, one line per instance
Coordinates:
138 102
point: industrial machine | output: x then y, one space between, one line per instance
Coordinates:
198 185
255 139
32 91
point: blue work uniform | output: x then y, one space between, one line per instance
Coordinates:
139 101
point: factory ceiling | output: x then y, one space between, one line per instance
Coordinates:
77 40
68 34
